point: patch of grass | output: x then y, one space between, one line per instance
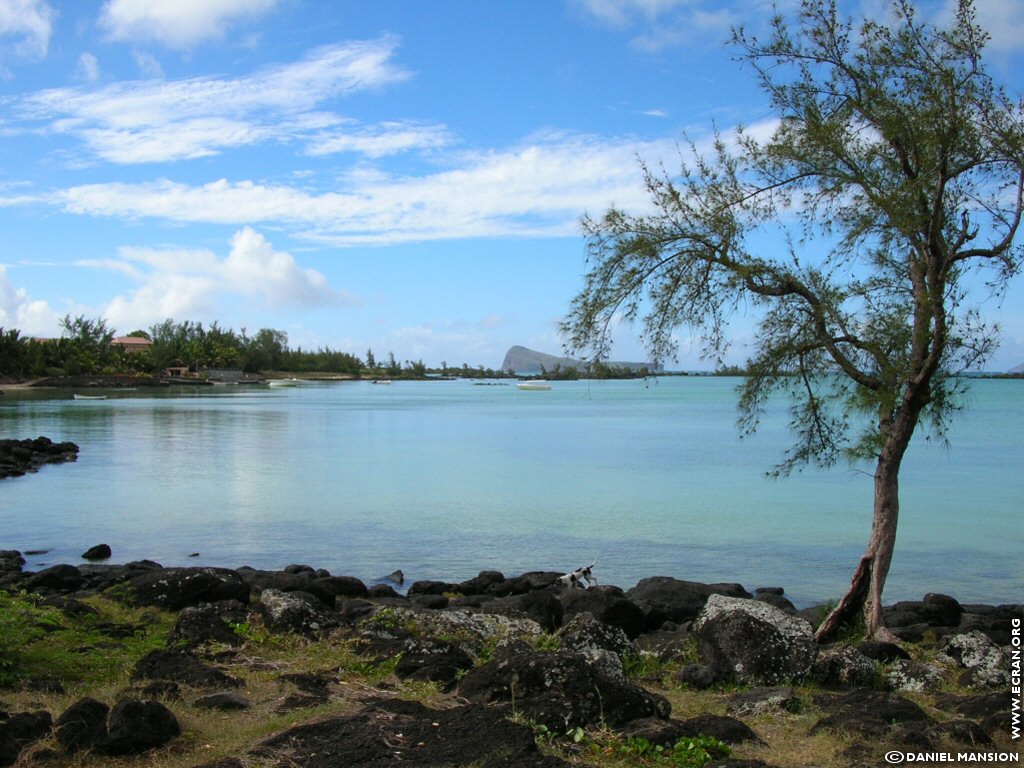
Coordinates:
606 748
388 619
95 649
546 642
648 667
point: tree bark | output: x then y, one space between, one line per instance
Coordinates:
865 592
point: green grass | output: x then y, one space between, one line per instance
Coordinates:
38 641
93 654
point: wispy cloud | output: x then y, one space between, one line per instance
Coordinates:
157 121
88 68
377 141
660 24
173 282
182 24
30 23
537 189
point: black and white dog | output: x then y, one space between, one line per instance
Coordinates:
581 578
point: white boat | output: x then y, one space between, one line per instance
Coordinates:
284 382
538 385
90 397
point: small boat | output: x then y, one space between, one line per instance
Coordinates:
89 397
537 385
284 382
381 381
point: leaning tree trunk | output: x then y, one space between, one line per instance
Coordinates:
865 592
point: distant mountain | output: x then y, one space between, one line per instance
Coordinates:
528 362
1018 369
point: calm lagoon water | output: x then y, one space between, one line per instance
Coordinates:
443 479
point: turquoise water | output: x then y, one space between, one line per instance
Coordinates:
443 479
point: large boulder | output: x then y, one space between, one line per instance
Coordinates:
83 725
206 623
908 675
477 632
97 552
397 732
606 647
608 605
753 643
101 576
284 581
429 659
177 588
297 612
481 584
135 726
665 733
934 610
180 667
539 605
56 578
844 667
986 664
527 582
872 713
560 691
663 598
19 731
341 586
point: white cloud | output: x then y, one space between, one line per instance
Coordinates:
625 12
148 65
88 68
181 24
157 121
254 268
662 24
538 189
30 22
17 310
377 141
193 283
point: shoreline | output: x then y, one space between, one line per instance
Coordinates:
207 667
96 564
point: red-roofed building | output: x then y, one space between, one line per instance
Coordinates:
131 343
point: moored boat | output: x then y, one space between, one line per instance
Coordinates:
538 385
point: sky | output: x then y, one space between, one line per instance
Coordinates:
406 176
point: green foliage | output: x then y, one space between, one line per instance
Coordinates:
546 642
642 665
891 178
688 752
375 670
865 231
37 640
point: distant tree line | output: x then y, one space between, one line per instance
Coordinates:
85 348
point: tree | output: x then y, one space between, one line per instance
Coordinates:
894 177
13 352
85 344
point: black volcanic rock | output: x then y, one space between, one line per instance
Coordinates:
20 456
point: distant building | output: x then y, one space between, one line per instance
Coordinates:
131 343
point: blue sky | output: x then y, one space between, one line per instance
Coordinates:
402 175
